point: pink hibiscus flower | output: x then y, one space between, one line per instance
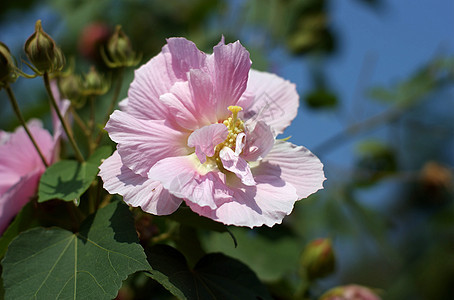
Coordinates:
350 292
201 128
21 166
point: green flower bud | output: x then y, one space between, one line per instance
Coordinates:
42 51
7 67
120 51
317 259
95 84
71 88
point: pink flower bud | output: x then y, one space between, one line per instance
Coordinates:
318 259
350 292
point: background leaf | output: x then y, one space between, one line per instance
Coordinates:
55 263
68 179
215 276
270 258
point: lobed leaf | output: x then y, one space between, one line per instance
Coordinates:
215 276
91 264
69 179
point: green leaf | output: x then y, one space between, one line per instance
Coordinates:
23 220
68 179
215 276
55 263
269 257
185 216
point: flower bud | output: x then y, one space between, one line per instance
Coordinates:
317 259
350 292
7 67
435 176
120 51
71 88
42 51
94 84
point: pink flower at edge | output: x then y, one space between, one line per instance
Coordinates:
20 165
350 292
201 128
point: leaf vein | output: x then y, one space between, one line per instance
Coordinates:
53 266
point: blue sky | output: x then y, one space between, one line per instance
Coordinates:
377 48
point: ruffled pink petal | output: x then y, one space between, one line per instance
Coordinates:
181 107
237 165
19 157
206 138
156 78
246 101
151 80
12 200
202 91
184 177
260 140
267 203
276 100
191 103
185 56
141 143
123 105
240 143
295 165
230 64
136 190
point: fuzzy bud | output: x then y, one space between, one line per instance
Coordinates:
95 84
350 292
7 67
317 259
42 51
120 51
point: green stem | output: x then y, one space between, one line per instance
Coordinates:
16 109
77 152
112 102
91 124
80 122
